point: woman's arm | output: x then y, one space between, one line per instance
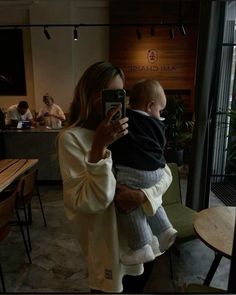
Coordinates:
128 199
155 193
87 187
40 115
59 117
58 113
88 180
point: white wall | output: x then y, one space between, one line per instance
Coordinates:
93 43
52 59
58 63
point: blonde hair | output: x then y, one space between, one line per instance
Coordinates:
145 91
94 79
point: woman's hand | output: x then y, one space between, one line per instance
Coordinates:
107 132
127 199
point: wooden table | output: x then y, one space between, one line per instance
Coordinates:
11 169
215 227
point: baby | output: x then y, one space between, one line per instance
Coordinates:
139 161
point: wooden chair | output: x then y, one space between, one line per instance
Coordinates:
6 212
26 188
180 215
7 205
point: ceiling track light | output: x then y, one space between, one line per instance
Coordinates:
75 34
181 26
182 30
138 33
172 33
152 30
46 33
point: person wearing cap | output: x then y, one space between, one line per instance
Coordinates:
51 114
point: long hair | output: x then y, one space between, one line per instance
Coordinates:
94 79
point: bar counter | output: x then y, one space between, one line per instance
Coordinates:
37 143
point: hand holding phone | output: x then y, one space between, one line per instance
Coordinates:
114 125
111 99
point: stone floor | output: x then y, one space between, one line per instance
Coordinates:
58 265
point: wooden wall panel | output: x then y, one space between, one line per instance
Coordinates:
174 60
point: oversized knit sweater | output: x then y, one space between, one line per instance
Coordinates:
88 192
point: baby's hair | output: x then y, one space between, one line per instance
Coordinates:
145 91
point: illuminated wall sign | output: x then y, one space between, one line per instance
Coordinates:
152 58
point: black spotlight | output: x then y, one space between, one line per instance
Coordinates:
75 34
46 33
182 30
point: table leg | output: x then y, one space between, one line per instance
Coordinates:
212 269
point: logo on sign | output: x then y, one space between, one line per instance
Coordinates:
152 56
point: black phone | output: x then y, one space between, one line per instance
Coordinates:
111 98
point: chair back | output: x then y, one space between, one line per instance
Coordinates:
26 187
173 194
6 212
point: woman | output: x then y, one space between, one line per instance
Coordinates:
89 186
51 114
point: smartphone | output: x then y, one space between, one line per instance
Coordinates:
111 98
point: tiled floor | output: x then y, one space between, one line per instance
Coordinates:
58 265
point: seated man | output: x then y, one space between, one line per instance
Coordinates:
19 112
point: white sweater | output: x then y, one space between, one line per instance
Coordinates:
88 191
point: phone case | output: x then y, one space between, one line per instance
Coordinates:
111 98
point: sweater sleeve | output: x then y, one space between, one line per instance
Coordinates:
87 187
154 194
61 113
29 115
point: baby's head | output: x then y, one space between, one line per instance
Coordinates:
148 96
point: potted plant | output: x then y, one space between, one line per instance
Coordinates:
179 126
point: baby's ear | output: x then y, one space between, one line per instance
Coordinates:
149 105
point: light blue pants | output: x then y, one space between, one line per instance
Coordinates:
137 226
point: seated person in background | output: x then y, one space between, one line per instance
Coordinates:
51 114
139 161
19 112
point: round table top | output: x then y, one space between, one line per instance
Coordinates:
215 227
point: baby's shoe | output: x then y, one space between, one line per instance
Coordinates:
138 256
167 238
155 246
